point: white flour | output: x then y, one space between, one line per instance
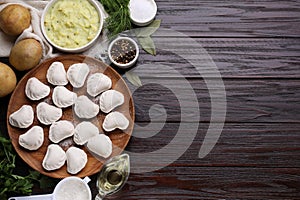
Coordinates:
72 190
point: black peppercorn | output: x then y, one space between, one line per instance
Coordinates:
123 51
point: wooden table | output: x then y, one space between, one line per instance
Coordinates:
255 46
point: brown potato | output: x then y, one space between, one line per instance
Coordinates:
8 80
26 54
14 19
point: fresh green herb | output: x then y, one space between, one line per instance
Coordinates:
11 183
119 16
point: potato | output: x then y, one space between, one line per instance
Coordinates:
14 19
8 80
26 54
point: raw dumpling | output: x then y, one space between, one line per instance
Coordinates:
110 99
76 160
84 131
33 138
98 83
85 108
62 97
23 117
115 120
56 74
77 74
100 145
47 114
35 89
60 130
55 157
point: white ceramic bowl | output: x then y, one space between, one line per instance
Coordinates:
132 62
142 12
78 49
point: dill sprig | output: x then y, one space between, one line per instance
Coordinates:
119 16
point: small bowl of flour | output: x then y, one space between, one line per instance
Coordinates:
72 188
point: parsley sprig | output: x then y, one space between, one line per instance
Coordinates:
12 183
9 182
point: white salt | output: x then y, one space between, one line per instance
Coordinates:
142 10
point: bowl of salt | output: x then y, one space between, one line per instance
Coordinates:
142 12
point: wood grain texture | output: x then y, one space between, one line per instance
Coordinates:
213 183
233 57
255 46
248 100
240 144
232 18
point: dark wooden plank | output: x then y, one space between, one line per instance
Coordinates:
232 18
240 144
248 100
232 57
257 155
213 183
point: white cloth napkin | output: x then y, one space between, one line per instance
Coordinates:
34 31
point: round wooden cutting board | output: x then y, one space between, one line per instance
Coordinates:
119 138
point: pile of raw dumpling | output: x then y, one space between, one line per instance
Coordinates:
85 133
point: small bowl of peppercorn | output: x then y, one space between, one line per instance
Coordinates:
123 52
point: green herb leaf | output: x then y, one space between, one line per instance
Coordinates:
10 183
149 30
119 16
46 182
147 44
133 78
34 175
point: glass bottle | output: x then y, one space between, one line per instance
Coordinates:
113 175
